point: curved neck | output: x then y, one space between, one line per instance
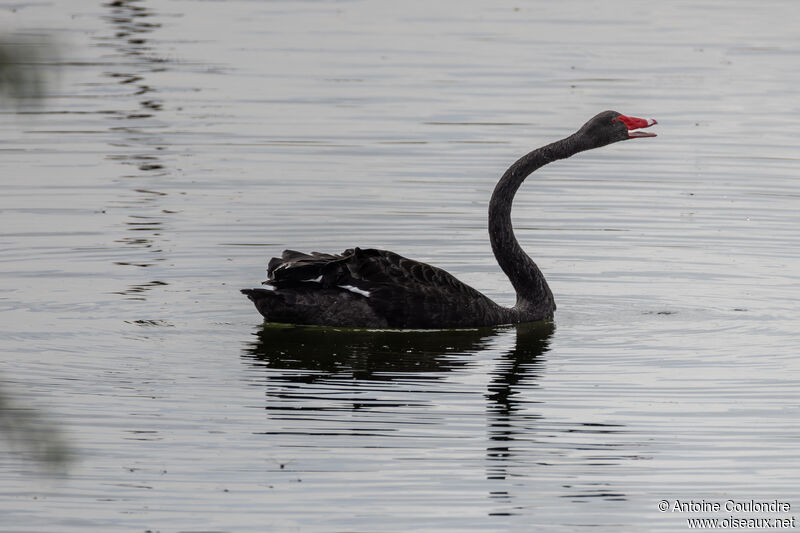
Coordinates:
534 298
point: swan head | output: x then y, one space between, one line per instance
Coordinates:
610 127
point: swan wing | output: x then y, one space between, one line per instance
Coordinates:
405 292
366 269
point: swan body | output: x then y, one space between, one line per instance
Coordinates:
372 288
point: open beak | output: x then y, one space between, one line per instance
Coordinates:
635 125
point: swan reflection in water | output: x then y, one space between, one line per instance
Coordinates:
399 381
318 354
316 371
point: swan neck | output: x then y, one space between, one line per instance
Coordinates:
534 297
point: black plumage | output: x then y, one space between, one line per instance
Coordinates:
381 289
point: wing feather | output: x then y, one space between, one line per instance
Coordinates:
407 293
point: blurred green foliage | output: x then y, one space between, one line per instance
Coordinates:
26 61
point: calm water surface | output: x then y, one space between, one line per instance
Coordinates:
181 144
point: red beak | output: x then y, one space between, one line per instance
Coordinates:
635 124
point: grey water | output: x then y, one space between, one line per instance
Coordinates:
177 146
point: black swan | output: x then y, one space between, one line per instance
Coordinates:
370 288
